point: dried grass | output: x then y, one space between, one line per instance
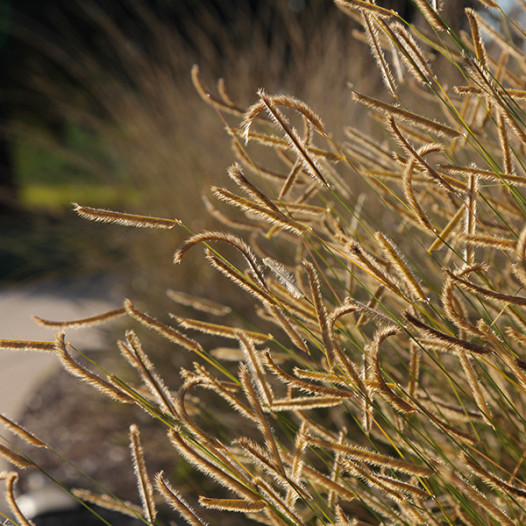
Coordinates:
430 272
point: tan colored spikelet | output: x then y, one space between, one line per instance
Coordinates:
235 223
515 365
254 167
498 39
300 403
409 192
481 240
26 345
168 332
235 482
336 469
498 296
277 315
282 145
240 280
21 432
342 519
504 144
373 302
276 500
84 322
347 307
296 143
255 364
108 502
241 505
480 50
398 262
372 265
121 218
487 175
148 374
143 481
407 116
471 217
456 344
491 479
411 54
302 211
371 457
448 229
296 464
458 434
281 100
259 456
302 385
454 413
262 422
285 277
220 330
230 239
404 143
391 486
321 312
368 310
236 174
521 246
476 388
270 216
299 450
376 380
200 304
225 390
14 458
10 479
489 3
378 54
227 354
348 368
477 497
431 16
414 369
517 95
197 433
174 499
292 179
319 479
319 376
224 105
519 272
395 54
223 93
482 77
364 6
219 462
439 344
74 368
516 335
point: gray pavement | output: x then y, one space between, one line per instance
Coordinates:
22 372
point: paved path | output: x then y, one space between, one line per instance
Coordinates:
22 372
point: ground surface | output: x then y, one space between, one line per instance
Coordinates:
26 379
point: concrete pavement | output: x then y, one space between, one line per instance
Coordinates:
22 372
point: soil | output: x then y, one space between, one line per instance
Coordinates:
88 435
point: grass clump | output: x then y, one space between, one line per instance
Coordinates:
384 382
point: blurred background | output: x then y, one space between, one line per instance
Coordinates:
97 107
